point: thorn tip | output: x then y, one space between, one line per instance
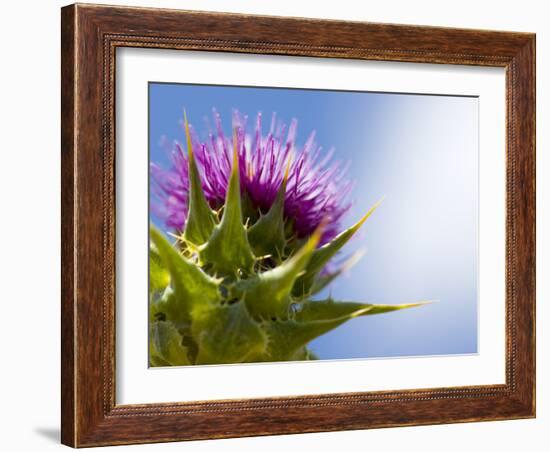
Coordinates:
187 135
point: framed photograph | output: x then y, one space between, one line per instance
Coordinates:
281 225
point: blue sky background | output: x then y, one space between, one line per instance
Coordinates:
420 152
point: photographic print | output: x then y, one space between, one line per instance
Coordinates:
298 224
350 202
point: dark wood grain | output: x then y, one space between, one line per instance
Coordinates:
68 338
90 36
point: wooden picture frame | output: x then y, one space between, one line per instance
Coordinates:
90 35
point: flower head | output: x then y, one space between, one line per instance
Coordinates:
317 189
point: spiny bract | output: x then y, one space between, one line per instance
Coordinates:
237 287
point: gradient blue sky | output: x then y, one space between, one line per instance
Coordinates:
420 152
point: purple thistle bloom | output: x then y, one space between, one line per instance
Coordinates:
316 189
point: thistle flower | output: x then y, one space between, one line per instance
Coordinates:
249 217
316 190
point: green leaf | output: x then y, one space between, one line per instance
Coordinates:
304 354
200 218
330 309
322 255
155 361
267 294
288 337
267 235
228 250
165 345
227 334
310 356
167 306
191 286
159 277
